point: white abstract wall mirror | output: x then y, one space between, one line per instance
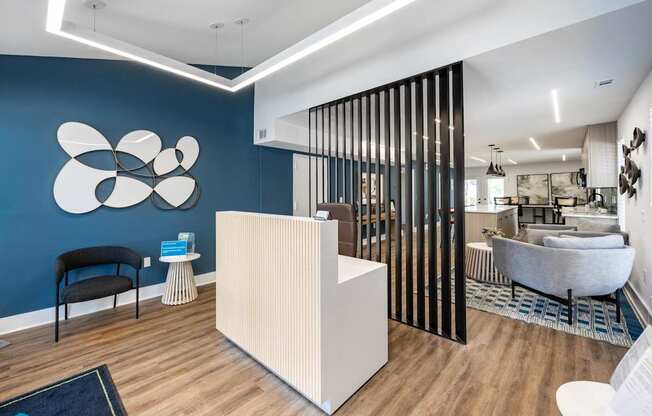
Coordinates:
163 175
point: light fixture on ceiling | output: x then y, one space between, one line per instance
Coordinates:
563 158
354 21
495 169
534 143
555 105
499 164
242 23
216 27
491 170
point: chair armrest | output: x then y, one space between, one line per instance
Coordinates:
59 270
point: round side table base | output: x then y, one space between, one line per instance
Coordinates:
180 285
480 265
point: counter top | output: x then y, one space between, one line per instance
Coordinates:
589 215
488 209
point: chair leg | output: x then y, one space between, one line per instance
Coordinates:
570 307
137 293
513 291
115 300
56 317
66 309
619 294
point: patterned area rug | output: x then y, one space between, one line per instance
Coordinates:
591 318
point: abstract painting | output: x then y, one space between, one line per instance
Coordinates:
535 187
565 184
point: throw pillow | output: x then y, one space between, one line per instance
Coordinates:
589 243
536 236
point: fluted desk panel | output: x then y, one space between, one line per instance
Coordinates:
284 296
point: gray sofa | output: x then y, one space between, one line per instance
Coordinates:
561 274
574 231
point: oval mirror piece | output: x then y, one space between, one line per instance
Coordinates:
143 144
78 138
166 162
189 147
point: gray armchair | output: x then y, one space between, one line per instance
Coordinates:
560 274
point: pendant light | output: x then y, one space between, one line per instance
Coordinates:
501 171
242 23
491 171
216 27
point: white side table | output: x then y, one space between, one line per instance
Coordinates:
480 264
180 284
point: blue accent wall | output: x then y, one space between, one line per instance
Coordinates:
39 94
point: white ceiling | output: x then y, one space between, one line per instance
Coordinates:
507 91
181 33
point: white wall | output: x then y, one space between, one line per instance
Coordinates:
521 169
638 113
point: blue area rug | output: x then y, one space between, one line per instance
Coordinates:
591 318
91 393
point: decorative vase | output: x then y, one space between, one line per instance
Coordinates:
489 239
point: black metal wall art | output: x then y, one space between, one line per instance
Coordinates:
630 173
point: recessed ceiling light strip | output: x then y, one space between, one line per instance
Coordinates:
555 105
354 21
144 56
534 143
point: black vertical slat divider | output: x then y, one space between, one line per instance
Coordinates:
323 175
419 211
329 159
352 124
409 257
337 152
378 185
398 260
445 203
368 195
458 152
360 173
444 120
344 154
431 115
310 162
388 198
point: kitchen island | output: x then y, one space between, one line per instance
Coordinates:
589 218
478 217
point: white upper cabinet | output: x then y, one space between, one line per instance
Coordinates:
599 156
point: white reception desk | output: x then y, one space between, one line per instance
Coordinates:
316 319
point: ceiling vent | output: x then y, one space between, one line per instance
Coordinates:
604 83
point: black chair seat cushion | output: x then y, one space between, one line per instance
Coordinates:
95 288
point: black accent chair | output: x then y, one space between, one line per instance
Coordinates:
98 286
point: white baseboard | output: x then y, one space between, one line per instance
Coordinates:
45 316
642 311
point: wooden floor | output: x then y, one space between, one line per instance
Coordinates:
174 362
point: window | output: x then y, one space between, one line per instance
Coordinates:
495 188
470 192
